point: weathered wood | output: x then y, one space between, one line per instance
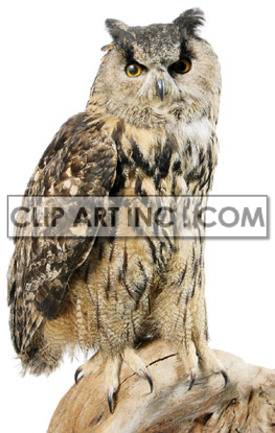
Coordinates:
247 405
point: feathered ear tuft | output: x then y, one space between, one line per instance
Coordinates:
121 35
114 26
190 21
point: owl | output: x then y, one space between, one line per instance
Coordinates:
148 131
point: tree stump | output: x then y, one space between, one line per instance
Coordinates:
246 405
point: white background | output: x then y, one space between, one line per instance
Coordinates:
50 52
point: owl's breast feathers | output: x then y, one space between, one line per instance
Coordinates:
165 161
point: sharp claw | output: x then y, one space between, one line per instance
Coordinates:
112 401
226 378
192 380
77 375
150 381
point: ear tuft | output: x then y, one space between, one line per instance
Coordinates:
121 35
114 26
190 21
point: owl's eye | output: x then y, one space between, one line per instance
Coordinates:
134 70
183 66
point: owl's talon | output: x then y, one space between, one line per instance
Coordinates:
149 379
137 365
78 375
210 365
90 366
193 378
225 377
112 370
112 400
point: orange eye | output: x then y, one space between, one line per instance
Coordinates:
183 66
134 70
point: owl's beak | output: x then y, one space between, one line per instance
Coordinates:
160 89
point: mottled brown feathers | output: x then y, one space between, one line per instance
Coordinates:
108 292
81 160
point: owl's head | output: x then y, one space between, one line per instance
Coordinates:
153 71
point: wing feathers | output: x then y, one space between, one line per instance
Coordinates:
81 160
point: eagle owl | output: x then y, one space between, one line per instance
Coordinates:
148 130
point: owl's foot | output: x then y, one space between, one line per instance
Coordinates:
137 365
189 360
210 365
89 367
192 379
134 362
112 371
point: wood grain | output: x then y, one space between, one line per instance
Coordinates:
247 405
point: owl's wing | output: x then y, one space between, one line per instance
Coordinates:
81 160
